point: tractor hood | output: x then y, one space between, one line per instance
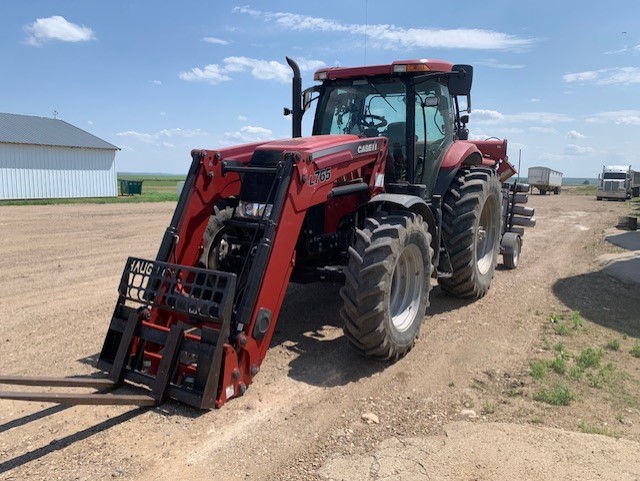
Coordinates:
311 143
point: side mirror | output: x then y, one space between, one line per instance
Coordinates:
307 97
460 83
464 119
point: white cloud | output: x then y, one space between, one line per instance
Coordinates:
185 133
260 69
543 130
534 100
242 118
156 82
542 117
391 37
473 136
247 134
606 76
573 149
621 76
142 137
160 138
309 65
89 122
629 120
215 40
211 73
618 117
492 62
481 115
624 49
494 117
56 28
580 77
573 134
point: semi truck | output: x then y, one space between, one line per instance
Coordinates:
618 182
545 180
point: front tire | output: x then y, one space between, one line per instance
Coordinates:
387 284
471 223
215 245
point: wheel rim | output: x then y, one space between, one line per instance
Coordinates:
486 237
516 253
406 287
217 252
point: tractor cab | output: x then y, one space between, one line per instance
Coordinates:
413 103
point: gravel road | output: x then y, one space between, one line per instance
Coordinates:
316 410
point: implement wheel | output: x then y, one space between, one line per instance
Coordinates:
512 244
471 231
387 284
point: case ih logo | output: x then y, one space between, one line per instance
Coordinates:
365 148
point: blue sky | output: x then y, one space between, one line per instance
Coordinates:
158 79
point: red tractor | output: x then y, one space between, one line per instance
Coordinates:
386 194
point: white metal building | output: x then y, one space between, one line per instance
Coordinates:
42 158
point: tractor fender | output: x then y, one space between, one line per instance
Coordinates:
460 153
412 203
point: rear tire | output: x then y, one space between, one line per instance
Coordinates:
387 284
471 225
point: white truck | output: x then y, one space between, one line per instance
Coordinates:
545 179
618 182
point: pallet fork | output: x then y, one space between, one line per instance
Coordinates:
202 295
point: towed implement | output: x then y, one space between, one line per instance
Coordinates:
386 194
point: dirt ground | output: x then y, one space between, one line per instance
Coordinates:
467 403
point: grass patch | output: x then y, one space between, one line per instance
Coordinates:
612 345
558 365
589 357
556 318
587 428
601 377
576 320
538 369
561 329
558 395
155 188
582 189
576 372
635 350
488 408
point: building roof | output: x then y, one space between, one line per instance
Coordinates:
26 129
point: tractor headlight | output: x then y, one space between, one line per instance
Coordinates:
254 210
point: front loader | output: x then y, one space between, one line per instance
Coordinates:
386 194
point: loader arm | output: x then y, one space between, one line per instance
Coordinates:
307 172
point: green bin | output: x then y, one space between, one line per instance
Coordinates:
130 187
